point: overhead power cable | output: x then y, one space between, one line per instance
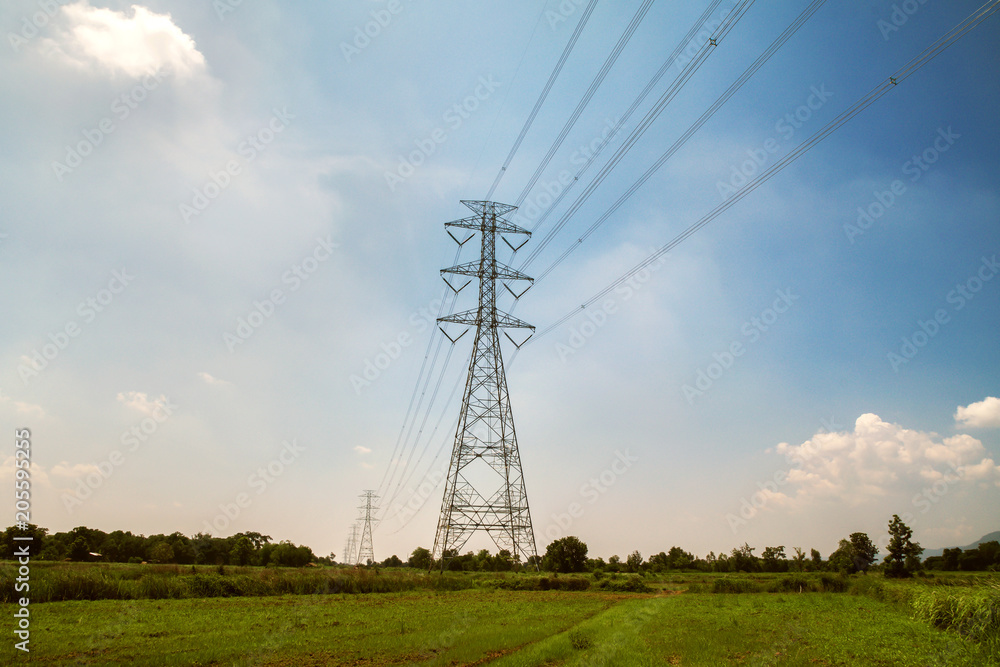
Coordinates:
736 85
588 94
587 11
670 60
874 95
728 23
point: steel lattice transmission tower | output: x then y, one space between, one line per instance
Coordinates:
366 552
485 488
351 547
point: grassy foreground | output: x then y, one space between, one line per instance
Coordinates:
478 619
394 628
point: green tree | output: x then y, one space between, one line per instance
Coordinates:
79 551
817 559
678 559
241 552
420 558
392 561
9 547
904 554
632 564
743 560
799 560
854 555
774 559
567 554
161 552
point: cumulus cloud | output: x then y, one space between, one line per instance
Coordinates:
209 379
141 402
879 459
984 414
360 449
91 38
64 469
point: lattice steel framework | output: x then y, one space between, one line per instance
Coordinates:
351 546
366 551
485 488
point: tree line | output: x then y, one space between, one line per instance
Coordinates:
91 544
855 553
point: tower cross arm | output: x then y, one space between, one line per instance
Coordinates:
476 222
471 318
503 272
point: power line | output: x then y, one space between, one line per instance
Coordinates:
689 70
670 60
588 10
874 95
735 86
591 90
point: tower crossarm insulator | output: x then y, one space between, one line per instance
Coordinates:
502 271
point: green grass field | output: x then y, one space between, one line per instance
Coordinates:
470 620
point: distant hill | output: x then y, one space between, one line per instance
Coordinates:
994 536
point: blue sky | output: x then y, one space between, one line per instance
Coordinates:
236 170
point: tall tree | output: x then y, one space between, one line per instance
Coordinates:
567 554
854 555
904 554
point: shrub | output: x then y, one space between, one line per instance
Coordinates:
633 584
793 584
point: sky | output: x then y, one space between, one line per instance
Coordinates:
223 226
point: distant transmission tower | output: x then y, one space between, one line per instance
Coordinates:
485 487
366 552
351 547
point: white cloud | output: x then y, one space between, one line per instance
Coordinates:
984 414
362 450
209 379
64 469
878 459
138 400
90 37
29 409
8 470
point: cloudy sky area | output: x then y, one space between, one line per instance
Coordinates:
169 168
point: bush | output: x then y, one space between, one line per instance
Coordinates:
793 584
633 584
834 583
974 613
727 585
